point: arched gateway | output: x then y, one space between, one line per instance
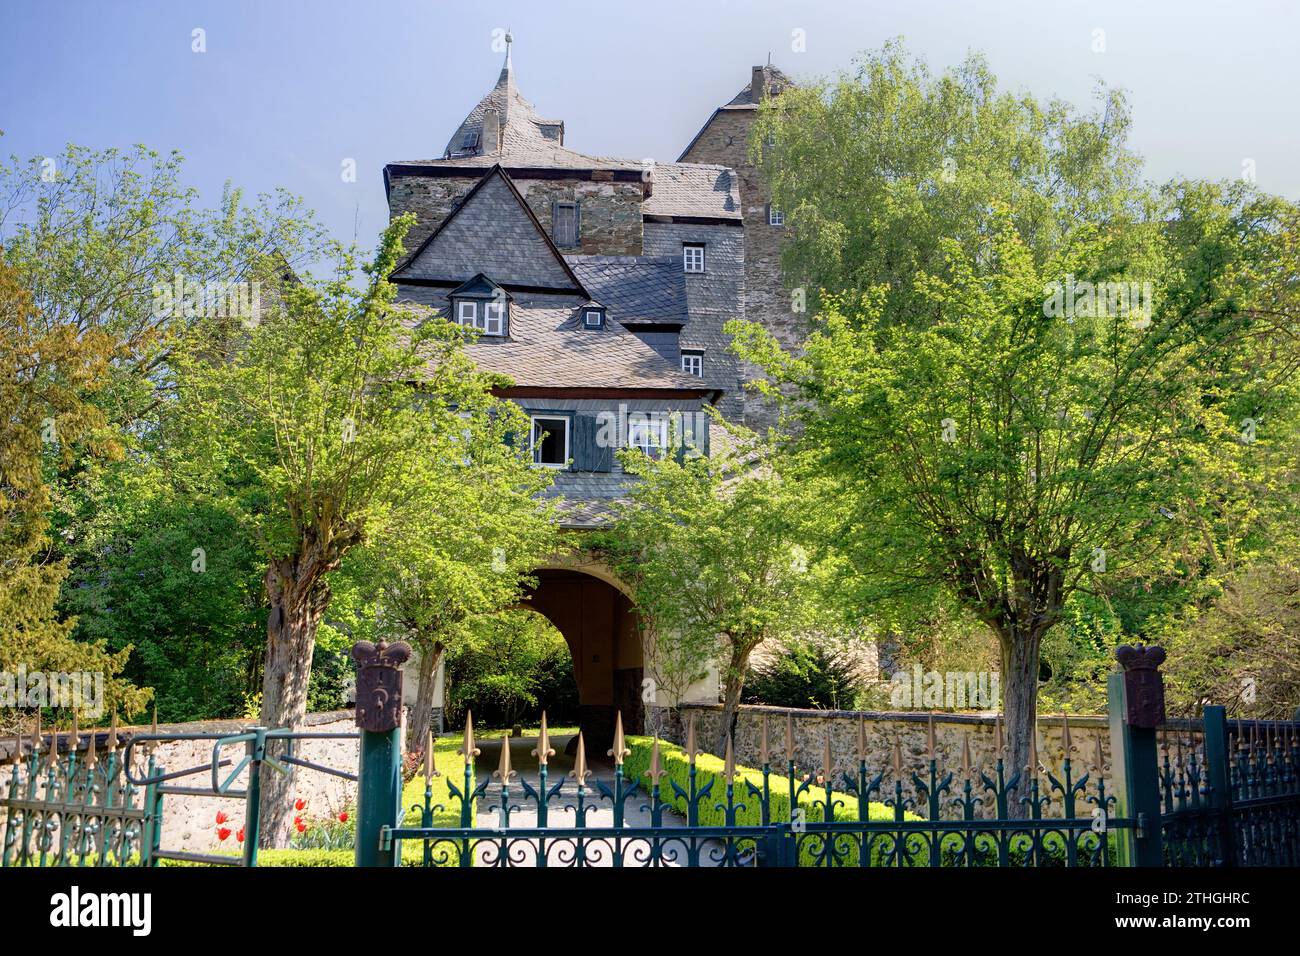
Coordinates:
592 609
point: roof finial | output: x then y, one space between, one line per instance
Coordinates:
509 40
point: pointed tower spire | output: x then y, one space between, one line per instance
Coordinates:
543 749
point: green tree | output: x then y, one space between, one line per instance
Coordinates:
992 432
46 371
504 665
714 551
310 426
458 545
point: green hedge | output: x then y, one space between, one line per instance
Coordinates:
708 767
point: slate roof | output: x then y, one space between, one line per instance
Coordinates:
494 232
635 288
694 189
678 189
549 348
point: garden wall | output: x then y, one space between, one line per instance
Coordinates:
883 729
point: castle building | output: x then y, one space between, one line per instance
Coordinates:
601 287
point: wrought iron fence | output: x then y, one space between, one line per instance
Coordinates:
91 810
1231 797
891 817
1204 794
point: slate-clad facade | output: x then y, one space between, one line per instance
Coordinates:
599 286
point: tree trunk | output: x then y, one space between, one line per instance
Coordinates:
734 683
1020 649
298 595
422 716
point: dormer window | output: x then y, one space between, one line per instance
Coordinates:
593 317
471 140
693 257
693 362
483 305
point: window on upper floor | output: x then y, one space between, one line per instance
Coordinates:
471 140
775 217
693 362
564 224
489 316
649 432
593 318
693 256
549 441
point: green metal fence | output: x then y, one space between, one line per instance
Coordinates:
67 807
1203 793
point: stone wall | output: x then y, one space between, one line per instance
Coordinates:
610 212
725 140
883 729
189 822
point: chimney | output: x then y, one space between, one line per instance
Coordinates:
491 131
758 85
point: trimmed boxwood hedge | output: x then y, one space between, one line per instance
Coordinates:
708 767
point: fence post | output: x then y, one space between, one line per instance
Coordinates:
379 778
1218 775
253 796
1136 707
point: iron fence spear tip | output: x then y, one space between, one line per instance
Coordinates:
112 733
965 754
730 762
619 750
690 740
789 737
543 749
929 735
762 743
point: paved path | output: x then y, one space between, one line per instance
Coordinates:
560 849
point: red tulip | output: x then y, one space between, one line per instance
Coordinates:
343 817
221 818
297 821
223 833
301 827
240 835
300 805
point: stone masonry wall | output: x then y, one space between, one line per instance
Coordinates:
725 140
610 212
189 822
883 729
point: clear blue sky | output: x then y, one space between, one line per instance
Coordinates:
289 89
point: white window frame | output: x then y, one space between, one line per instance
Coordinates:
689 251
587 315
775 217
532 439
693 362
653 433
494 318
472 319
